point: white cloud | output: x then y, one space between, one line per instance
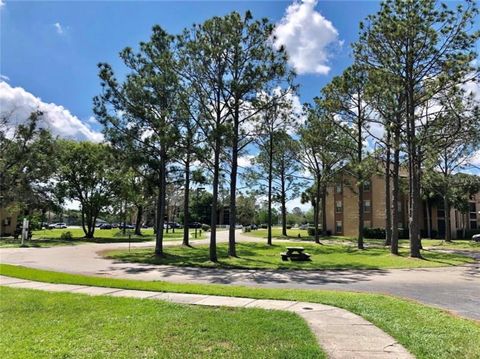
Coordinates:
4 77
2 3
59 28
473 88
18 104
245 161
307 36
297 202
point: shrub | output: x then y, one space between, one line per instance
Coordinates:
263 226
433 234
66 236
468 233
289 227
374 233
246 229
205 227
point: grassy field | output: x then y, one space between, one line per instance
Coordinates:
427 332
52 237
37 324
299 234
262 256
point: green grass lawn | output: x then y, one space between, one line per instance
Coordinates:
433 243
52 237
37 324
427 332
262 256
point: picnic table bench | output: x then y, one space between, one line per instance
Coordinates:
295 254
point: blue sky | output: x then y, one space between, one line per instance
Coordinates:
51 49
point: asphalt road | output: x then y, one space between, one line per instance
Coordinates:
456 289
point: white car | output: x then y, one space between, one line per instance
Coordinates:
476 238
57 226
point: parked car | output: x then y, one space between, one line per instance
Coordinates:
57 226
126 226
105 226
476 238
195 225
254 226
303 226
171 225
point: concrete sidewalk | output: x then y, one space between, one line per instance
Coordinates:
340 333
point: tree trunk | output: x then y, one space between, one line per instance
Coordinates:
388 195
413 160
213 218
283 200
186 203
429 219
316 210
124 214
138 222
270 182
448 224
233 191
161 206
83 222
396 190
360 181
324 210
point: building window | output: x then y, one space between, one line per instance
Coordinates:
473 225
367 206
338 206
367 186
473 207
338 227
367 224
440 213
339 188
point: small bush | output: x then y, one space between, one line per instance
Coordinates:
246 229
66 236
263 226
311 231
205 227
468 233
289 227
433 234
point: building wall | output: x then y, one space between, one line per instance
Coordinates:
377 217
8 222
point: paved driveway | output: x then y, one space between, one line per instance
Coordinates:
453 288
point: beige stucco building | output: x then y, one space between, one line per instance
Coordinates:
342 210
8 222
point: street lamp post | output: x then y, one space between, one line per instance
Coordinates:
196 200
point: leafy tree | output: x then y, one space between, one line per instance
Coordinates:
87 173
286 169
458 134
253 64
246 208
27 160
203 52
272 121
322 153
345 98
427 48
139 115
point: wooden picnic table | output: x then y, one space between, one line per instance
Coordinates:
295 254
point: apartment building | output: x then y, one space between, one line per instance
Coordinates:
342 209
8 222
